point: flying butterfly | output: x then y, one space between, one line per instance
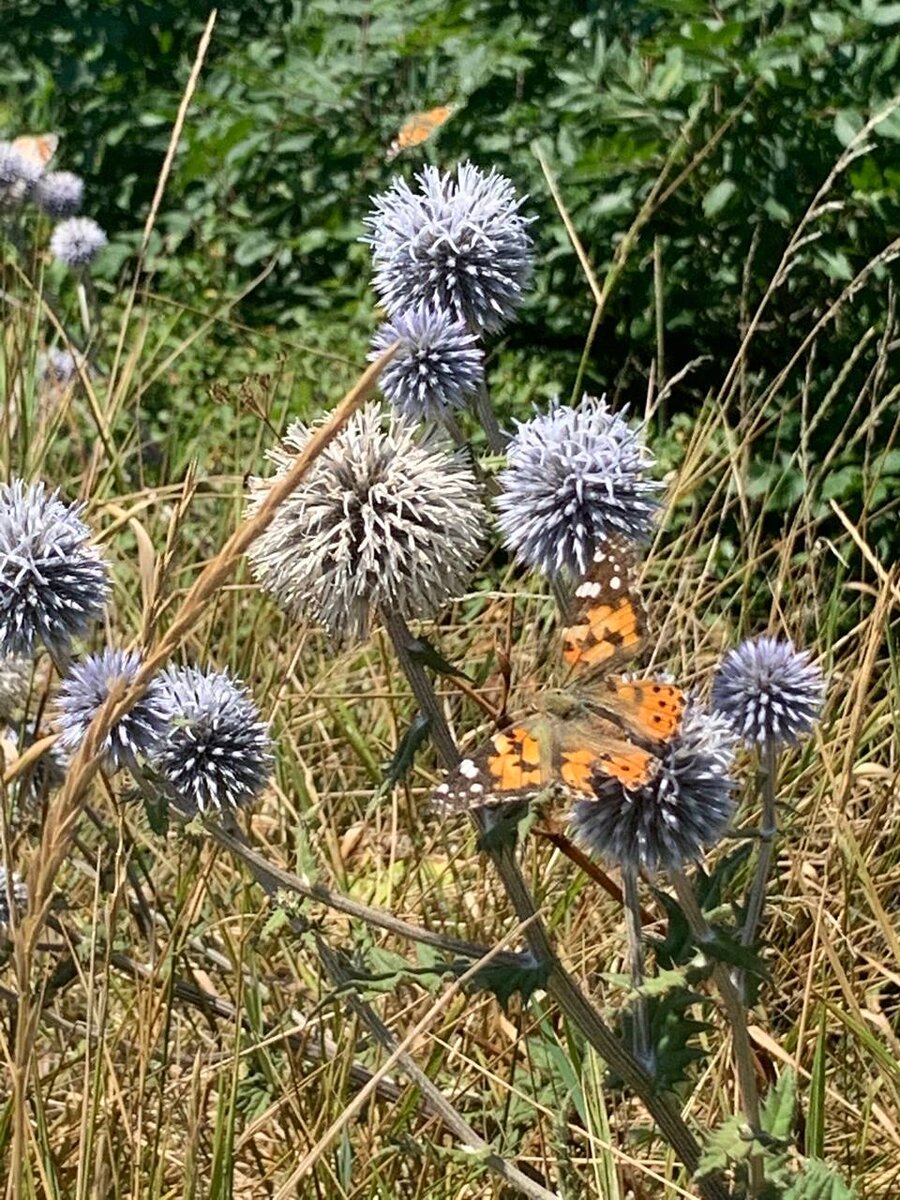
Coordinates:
418 129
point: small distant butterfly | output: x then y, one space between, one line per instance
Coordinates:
37 148
418 128
605 726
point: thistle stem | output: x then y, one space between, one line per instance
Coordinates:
484 410
421 685
736 1014
641 1030
768 831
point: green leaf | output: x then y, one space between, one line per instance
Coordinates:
405 754
847 125
777 1113
718 196
422 651
829 23
815 1119
506 979
728 1144
819 1181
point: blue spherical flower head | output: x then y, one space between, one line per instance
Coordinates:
216 752
768 691
77 241
86 689
686 806
58 367
459 243
59 194
575 476
18 175
53 583
438 366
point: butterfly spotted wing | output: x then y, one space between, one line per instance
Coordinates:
418 128
607 628
516 764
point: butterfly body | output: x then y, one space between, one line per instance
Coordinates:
602 726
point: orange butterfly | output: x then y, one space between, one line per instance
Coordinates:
609 727
418 128
37 148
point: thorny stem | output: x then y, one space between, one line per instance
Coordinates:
484 410
737 1017
768 831
641 1034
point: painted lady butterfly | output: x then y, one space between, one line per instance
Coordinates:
418 128
37 148
605 726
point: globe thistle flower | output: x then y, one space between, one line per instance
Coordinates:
18 174
11 884
768 691
86 689
15 680
59 194
383 520
574 476
663 824
53 583
216 752
459 243
77 241
57 368
438 366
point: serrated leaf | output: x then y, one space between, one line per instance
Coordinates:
504 980
728 1144
422 651
777 1110
406 751
274 923
819 1181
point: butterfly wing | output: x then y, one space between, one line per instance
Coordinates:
649 709
37 148
607 624
418 128
512 766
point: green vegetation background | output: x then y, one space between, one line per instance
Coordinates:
284 145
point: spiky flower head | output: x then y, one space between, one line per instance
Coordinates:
18 174
459 242
58 367
77 241
11 886
663 824
768 691
16 672
438 366
86 689
53 583
59 194
385 520
575 476
216 752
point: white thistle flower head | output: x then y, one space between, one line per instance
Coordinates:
768 691
386 520
77 241
458 242
574 477
438 367
686 806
